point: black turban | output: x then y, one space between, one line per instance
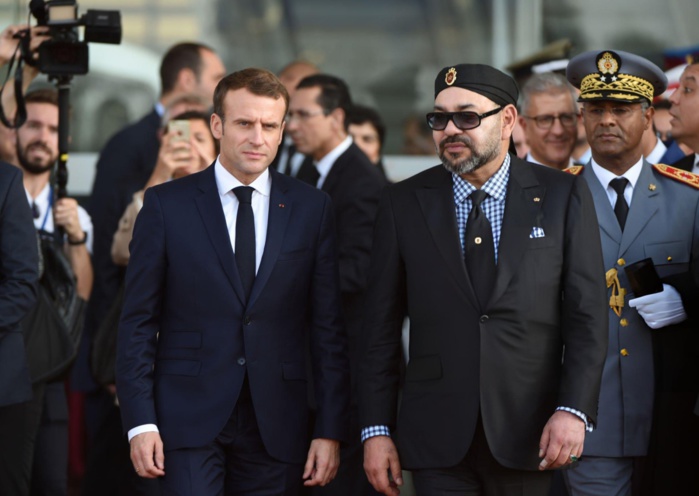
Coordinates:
482 79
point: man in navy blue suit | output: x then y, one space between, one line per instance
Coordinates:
231 292
19 272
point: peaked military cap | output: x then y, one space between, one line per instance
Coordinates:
615 75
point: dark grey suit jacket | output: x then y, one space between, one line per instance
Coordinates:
548 303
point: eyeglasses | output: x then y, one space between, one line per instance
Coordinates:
438 121
546 121
302 115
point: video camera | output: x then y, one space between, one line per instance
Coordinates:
64 54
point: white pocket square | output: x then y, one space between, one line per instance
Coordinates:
537 232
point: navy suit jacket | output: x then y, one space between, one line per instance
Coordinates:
19 266
188 337
125 164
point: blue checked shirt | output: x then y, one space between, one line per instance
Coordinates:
494 208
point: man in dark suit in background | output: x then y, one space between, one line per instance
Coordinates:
318 125
288 159
685 116
497 262
232 288
19 266
125 164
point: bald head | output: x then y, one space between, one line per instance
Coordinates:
292 74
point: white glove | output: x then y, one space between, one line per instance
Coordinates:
660 309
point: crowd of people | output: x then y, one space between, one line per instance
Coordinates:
246 269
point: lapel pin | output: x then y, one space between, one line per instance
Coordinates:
537 199
651 187
281 205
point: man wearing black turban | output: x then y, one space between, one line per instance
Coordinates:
498 264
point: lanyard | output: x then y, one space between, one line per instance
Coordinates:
48 210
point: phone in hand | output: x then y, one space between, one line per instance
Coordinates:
179 130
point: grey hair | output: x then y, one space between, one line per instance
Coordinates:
546 82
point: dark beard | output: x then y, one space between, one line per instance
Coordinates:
477 159
30 167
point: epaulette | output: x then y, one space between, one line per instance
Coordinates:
678 175
574 169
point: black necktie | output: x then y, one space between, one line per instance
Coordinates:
621 208
480 249
35 211
290 152
308 172
245 238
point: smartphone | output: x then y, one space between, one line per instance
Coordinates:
179 130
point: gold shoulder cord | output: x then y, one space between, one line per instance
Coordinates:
616 301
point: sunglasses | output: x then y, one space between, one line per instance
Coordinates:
438 121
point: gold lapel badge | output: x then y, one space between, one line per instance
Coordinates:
450 78
651 187
537 199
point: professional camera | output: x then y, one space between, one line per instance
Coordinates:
64 54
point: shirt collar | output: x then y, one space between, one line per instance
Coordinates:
495 186
606 176
657 153
42 199
325 164
530 158
225 181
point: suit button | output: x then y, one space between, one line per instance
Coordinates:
624 322
484 319
621 262
241 361
247 320
624 352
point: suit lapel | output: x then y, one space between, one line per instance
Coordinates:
280 208
525 197
436 199
336 170
211 211
643 207
606 217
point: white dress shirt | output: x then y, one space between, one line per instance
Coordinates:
326 163
605 177
225 182
657 153
45 219
695 169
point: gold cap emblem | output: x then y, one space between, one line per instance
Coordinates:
450 78
607 63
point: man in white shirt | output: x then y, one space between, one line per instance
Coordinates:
37 152
317 122
549 118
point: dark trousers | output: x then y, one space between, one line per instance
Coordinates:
236 463
18 427
50 467
479 474
109 471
